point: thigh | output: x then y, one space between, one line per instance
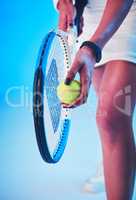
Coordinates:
117 92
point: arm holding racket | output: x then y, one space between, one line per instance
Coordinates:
71 14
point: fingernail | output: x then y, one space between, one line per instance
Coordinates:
67 81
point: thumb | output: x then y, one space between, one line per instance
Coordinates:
70 77
71 15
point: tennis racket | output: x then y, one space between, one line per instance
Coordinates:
52 121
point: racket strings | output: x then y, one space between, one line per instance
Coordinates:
66 52
51 84
54 61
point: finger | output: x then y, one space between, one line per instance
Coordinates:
70 20
71 16
85 84
63 22
70 77
72 72
67 106
79 101
85 80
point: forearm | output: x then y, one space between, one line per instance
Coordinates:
113 16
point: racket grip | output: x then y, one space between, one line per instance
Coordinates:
79 5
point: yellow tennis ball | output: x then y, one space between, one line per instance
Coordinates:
68 93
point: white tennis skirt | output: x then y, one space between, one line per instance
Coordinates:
122 45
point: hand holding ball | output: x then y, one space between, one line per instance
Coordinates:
68 93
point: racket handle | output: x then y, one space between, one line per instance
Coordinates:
79 5
75 30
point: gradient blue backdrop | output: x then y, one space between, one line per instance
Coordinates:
23 174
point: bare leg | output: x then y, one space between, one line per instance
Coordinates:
116 129
95 183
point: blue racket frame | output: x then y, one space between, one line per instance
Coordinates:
38 107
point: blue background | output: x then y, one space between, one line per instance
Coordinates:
23 174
